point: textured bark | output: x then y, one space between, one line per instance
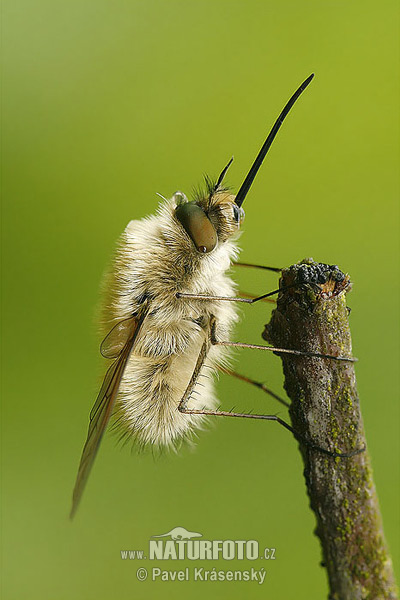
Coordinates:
325 409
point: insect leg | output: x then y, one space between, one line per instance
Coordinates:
285 351
251 265
183 405
248 295
257 384
229 298
264 268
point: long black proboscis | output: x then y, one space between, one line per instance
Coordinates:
242 193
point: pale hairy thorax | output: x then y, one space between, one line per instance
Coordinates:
154 260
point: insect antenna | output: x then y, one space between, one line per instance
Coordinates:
222 175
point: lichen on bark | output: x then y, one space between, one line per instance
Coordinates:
312 315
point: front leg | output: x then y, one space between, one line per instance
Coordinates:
250 300
253 266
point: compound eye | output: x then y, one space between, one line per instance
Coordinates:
198 226
180 198
238 214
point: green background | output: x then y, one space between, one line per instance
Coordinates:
105 104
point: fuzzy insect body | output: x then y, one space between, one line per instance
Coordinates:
155 260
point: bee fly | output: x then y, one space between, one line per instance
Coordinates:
169 309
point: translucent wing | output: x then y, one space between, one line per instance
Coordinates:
116 339
102 409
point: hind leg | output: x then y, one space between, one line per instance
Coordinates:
183 405
259 385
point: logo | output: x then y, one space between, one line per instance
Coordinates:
180 533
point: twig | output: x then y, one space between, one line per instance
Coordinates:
313 316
